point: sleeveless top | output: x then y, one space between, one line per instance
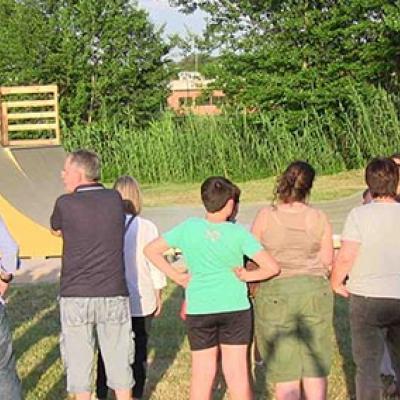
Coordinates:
294 240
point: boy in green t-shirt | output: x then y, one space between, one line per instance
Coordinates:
218 308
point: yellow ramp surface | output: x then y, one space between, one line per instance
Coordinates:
34 240
29 185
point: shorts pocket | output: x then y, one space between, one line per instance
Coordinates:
74 311
117 310
322 302
271 310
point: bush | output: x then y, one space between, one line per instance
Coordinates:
243 145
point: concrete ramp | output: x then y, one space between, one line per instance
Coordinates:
29 185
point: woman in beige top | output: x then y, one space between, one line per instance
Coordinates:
293 312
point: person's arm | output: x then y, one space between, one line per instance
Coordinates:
266 263
258 225
158 278
252 248
9 257
157 312
154 252
55 220
326 252
350 246
268 268
8 250
342 266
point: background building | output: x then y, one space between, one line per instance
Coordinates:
189 94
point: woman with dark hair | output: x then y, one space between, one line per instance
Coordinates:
369 255
293 312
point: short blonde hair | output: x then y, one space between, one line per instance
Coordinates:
129 190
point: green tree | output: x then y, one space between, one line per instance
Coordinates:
299 54
204 63
106 56
21 42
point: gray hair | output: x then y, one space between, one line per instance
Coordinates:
89 161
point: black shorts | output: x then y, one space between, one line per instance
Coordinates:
210 330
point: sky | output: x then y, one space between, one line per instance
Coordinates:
176 22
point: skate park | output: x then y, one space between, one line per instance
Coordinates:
31 182
30 168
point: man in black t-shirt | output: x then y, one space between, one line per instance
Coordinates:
94 295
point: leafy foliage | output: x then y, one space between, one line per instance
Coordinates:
300 54
245 146
106 57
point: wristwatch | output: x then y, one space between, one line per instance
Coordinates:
6 278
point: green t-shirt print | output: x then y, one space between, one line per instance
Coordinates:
211 251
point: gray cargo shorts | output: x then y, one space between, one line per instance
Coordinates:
110 317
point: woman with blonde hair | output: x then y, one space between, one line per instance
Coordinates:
293 311
144 282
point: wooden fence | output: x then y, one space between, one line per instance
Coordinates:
38 111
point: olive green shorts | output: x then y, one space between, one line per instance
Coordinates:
294 328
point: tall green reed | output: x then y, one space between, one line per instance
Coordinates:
244 146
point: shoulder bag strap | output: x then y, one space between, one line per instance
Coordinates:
128 224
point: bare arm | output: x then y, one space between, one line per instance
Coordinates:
154 251
327 251
268 268
267 264
258 226
8 251
157 312
3 288
342 266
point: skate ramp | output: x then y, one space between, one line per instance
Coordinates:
29 185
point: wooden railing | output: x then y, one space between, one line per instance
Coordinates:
38 111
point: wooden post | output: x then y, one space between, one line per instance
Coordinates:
57 117
1 123
4 124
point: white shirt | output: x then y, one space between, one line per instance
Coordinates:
142 277
376 270
8 251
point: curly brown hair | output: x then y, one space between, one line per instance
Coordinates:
295 183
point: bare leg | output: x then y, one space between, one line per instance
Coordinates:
315 388
83 396
236 371
204 366
288 390
123 394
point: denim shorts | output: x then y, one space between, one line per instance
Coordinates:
110 318
294 328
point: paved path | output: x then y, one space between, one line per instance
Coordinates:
41 270
167 217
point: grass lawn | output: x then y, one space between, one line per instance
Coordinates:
327 187
33 313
